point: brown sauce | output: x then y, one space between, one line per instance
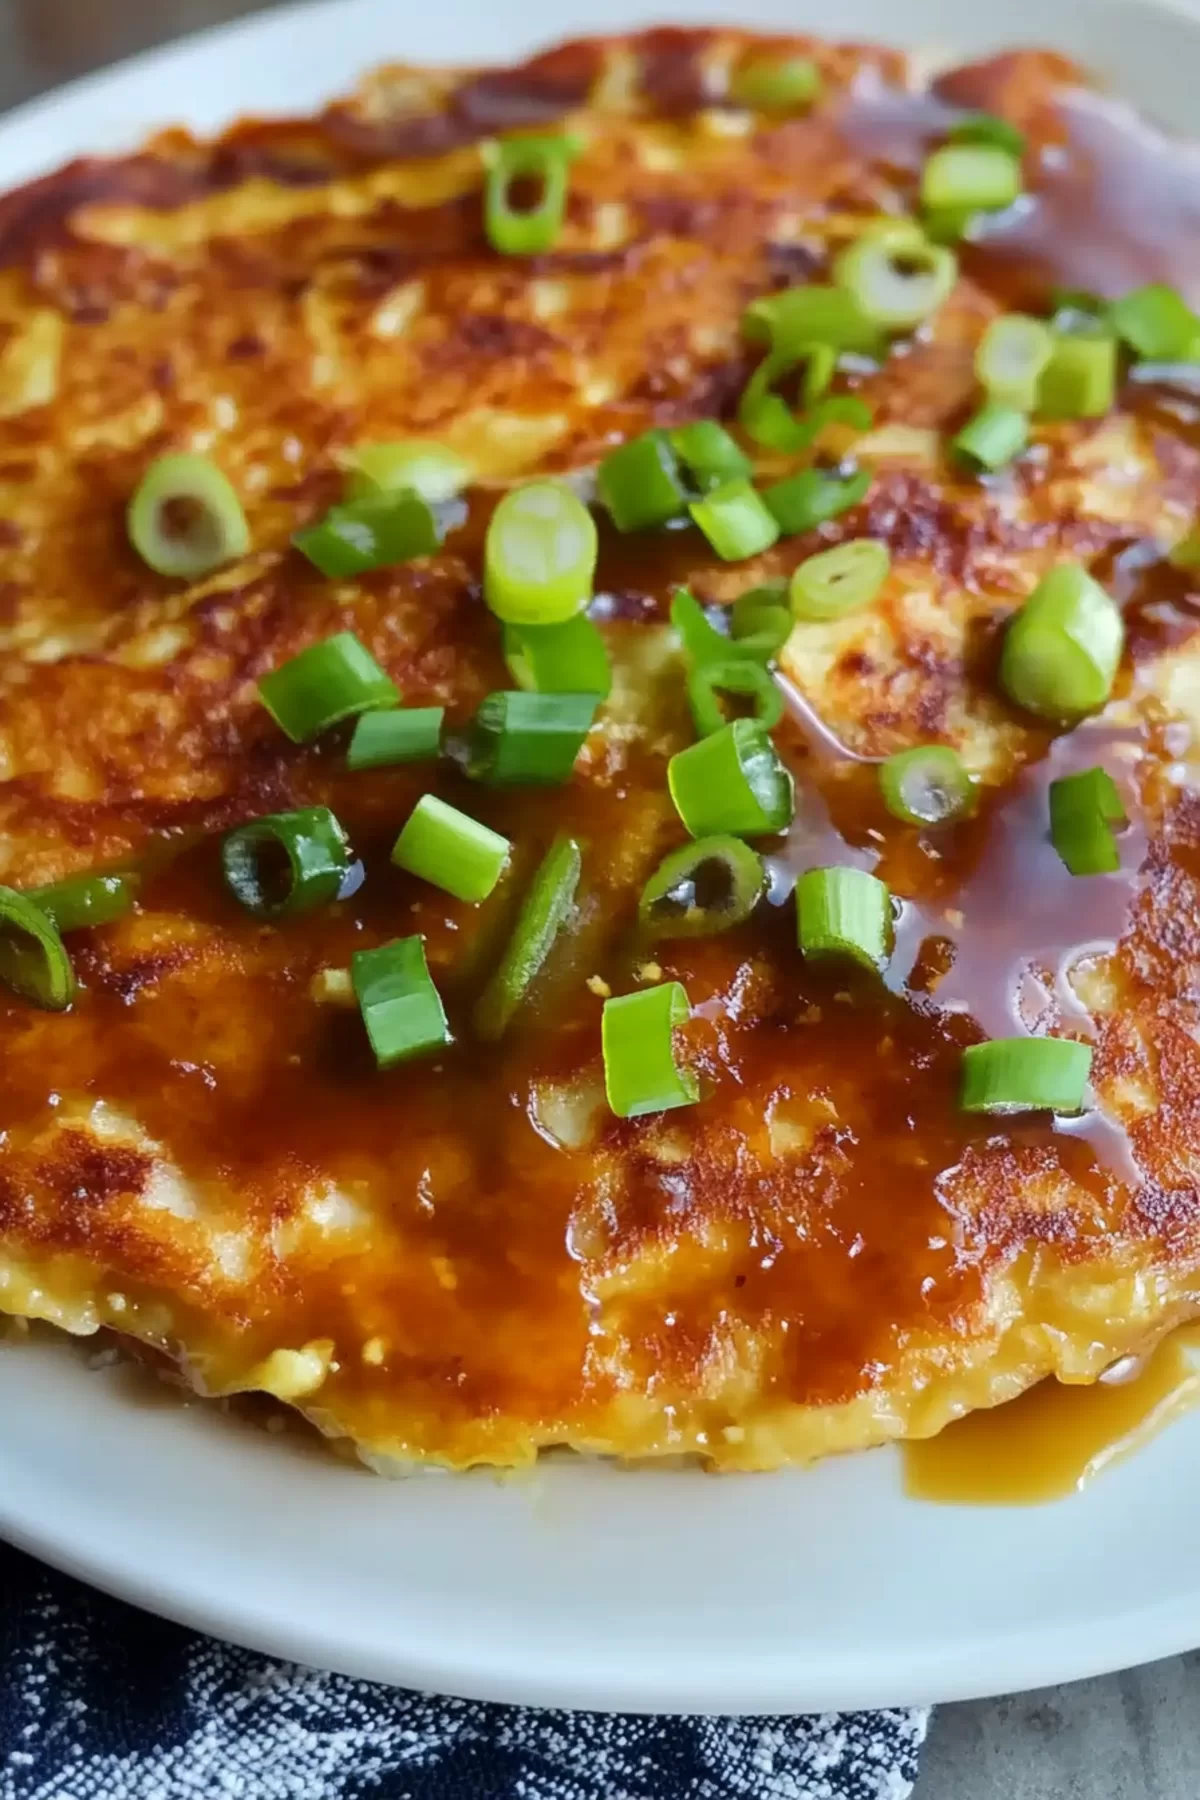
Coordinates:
1055 1438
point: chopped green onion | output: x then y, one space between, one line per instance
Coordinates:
1080 379
451 849
766 416
287 863
986 128
370 534
641 1074
761 621
1062 650
993 437
539 555
527 231
703 888
736 521
844 912
401 734
980 177
709 453
559 659
927 785
1186 553
429 470
1083 810
950 225
804 501
734 676
1012 354
776 84
544 911
530 738
185 518
325 684
639 483
840 580
33 958
702 642
802 316
1156 322
896 276
1025 1074
85 900
1079 310
401 1008
732 783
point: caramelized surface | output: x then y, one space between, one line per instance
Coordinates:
468 1260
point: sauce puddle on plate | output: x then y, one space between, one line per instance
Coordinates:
1052 1440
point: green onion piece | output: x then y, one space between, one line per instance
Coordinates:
840 580
451 849
986 128
370 534
530 738
1012 354
287 863
948 226
803 316
527 231
702 642
844 912
761 621
1080 380
544 911
559 659
185 518
980 177
992 438
639 483
402 734
33 958
896 276
736 521
702 889
732 783
1185 554
1083 810
839 409
709 453
1062 650
766 416
641 1074
1156 322
429 470
401 1008
325 684
776 84
539 555
1079 310
85 900
1025 1074
927 785
804 501
738 676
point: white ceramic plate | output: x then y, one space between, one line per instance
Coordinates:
587 1586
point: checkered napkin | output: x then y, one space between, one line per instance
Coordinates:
99 1702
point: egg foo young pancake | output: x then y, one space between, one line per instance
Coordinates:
699 957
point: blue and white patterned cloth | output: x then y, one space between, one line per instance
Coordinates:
99 1702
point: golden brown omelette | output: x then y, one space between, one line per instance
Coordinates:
467 1258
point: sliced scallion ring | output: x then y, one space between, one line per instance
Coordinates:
709 453
529 738
1156 322
802 502
527 231
539 555
185 518
33 958
844 912
1062 650
975 177
732 784
740 677
430 470
399 734
80 901
814 314
1012 354
987 128
928 785
641 1074
372 533
763 412
545 909
559 659
401 1009
736 520
1080 379
992 438
323 685
1025 1075
703 888
1083 810
639 483
761 621
776 84
286 864
897 277
840 580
